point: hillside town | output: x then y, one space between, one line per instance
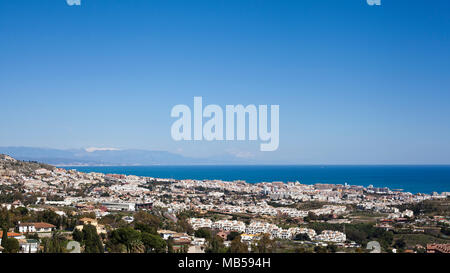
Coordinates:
47 209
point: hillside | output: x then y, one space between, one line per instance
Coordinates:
8 163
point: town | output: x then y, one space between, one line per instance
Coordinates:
45 209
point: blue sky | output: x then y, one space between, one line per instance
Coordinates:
356 84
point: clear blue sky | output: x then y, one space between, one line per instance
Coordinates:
355 83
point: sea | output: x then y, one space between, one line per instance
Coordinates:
414 179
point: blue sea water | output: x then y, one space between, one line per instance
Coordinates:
424 179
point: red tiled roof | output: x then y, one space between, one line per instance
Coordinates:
442 248
38 225
10 234
43 225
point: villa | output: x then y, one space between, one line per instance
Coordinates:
35 227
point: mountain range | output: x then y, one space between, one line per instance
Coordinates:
111 156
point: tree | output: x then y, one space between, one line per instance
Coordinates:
232 235
54 244
320 249
237 246
113 247
144 217
137 246
203 233
356 235
400 243
49 216
5 220
445 230
331 248
77 235
11 245
302 237
184 226
145 228
91 240
4 237
386 239
216 245
265 244
125 236
170 245
311 217
153 243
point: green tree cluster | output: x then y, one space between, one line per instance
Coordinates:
135 241
89 238
55 244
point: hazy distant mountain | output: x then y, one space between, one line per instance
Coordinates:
108 156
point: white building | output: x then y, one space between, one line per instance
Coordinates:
35 227
120 206
166 234
331 236
28 246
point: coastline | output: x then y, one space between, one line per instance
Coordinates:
410 178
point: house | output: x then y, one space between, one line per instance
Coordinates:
89 221
247 238
35 227
14 235
180 240
115 206
194 249
42 172
166 234
198 241
28 245
144 206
